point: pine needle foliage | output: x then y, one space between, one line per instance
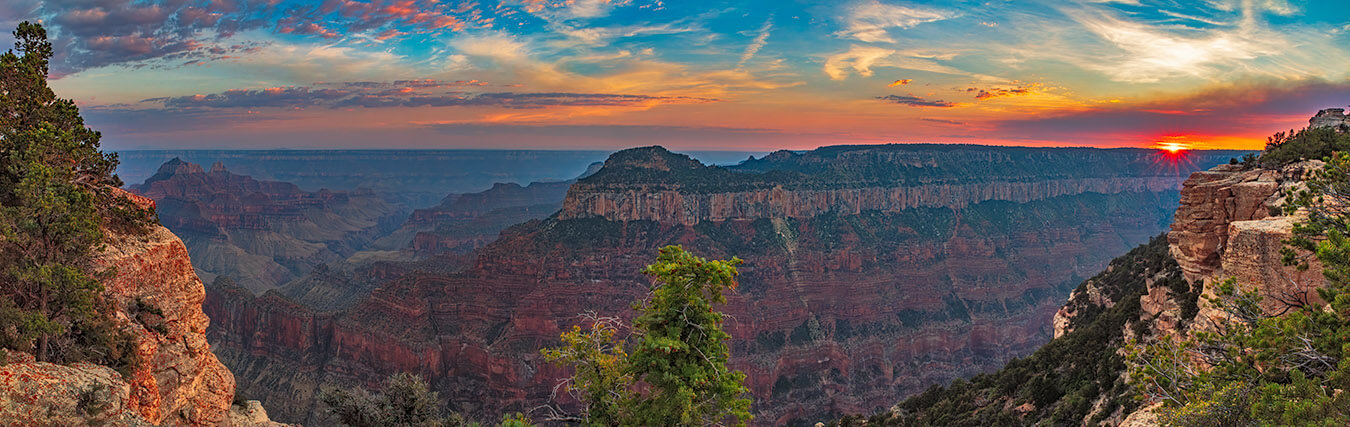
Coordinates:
677 371
57 203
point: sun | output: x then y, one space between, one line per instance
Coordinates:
1172 147
1173 144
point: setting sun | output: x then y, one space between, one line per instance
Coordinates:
1173 143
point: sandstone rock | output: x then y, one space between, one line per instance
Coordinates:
1223 229
658 203
33 393
178 380
251 414
1143 417
1330 118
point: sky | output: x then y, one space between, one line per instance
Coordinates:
692 75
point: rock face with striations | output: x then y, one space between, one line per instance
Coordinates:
178 381
1229 226
838 311
262 234
653 185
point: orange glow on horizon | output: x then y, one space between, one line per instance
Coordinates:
1174 143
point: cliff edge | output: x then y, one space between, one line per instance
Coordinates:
178 381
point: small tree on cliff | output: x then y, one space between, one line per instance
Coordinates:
679 353
55 193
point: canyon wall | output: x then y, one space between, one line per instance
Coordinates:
465 222
658 203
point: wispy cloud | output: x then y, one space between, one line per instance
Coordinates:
861 59
761 38
915 101
872 20
411 93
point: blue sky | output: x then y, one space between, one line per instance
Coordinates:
742 75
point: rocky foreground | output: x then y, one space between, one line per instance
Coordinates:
179 380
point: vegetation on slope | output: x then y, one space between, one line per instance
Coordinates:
1309 144
57 202
1062 382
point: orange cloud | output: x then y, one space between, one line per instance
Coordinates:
995 92
900 82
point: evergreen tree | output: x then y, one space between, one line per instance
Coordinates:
55 198
677 373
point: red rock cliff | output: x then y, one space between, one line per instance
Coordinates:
179 381
1229 226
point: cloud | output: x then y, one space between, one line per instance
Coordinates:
1247 110
858 58
514 100
900 82
1230 40
761 38
404 93
97 33
498 46
871 20
276 97
943 121
996 92
914 101
862 59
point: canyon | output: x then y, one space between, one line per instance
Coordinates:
937 263
262 234
464 222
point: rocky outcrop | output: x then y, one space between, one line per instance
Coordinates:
1229 226
177 381
262 234
1330 118
46 394
840 311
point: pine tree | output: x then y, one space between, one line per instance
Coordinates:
677 373
55 198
